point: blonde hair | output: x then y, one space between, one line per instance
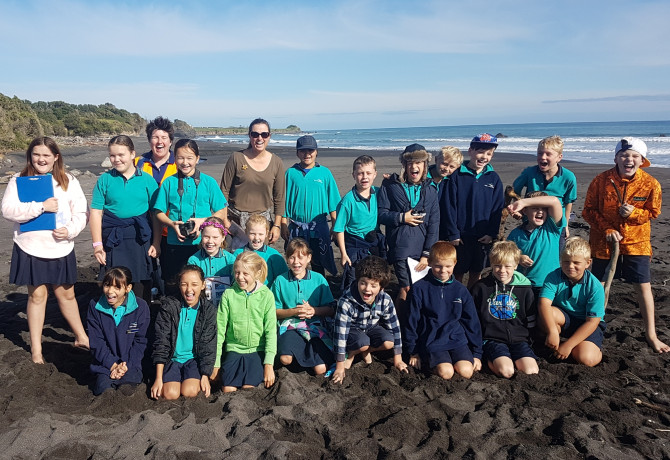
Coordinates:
253 263
451 154
504 251
257 219
552 142
576 246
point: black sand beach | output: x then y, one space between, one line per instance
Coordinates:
566 411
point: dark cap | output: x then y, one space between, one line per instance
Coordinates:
305 143
484 141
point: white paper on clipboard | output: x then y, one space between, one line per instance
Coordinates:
415 275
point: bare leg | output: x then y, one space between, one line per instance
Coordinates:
527 365
646 300
320 369
171 390
190 388
502 366
36 310
587 353
444 370
229 389
70 311
464 368
352 354
367 355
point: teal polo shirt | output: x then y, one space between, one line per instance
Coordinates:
357 215
183 350
541 245
210 199
563 185
124 197
218 265
275 262
586 299
290 291
310 193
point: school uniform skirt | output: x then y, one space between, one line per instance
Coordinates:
27 270
306 353
241 369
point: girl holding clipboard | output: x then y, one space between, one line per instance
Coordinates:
45 257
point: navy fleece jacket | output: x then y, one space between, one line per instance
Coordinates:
442 317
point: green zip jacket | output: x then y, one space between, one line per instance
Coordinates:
247 323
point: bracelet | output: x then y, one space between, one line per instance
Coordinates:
275 225
96 244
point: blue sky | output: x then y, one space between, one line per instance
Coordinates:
344 64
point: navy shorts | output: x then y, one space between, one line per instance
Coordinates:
572 324
310 353
452 356
633 269
494 350
471 256
178 372
374 337
239 369
104 382
401 270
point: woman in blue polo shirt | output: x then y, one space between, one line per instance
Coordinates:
123 231
188 197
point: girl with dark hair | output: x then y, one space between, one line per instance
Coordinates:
43 258
184 201
117 324
253 181
185 345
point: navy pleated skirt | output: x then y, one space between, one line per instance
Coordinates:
27 270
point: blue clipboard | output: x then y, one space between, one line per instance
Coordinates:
37 188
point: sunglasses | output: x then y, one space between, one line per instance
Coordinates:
255 135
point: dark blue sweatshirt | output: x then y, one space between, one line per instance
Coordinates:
471 205
405 240
110 343
442 317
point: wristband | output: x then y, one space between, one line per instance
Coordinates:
96 244
275 225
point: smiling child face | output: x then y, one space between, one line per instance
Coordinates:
414 170
547 159
368 289
186 161
628 162
479 158
257 235
190 287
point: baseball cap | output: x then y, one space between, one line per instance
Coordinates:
484 141
633 143
305 143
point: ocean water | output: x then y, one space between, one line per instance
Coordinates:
585 142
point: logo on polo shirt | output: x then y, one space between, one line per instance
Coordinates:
490 185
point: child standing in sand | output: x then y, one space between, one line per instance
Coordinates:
311 197
247 327
258 229
366 320
550 177
507 312
572 307
44 258
183 203
117 326
409 211
302 298
447 161
356 229
472 208
619 206
215 261
123 230
185 344
443 331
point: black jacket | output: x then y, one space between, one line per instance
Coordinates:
404 240
506 312
204 334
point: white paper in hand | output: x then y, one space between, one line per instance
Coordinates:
415 275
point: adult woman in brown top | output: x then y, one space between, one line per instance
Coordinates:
253 181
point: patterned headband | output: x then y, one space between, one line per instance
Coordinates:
211 223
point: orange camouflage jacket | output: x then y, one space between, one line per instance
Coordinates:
601 210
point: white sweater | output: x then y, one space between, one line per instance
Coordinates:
72 214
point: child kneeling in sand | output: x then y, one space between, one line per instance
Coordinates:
184 348
619 206
572 306
507 312
366 319
302 298
443 331
117 330
247 326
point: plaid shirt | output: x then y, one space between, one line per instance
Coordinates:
352 311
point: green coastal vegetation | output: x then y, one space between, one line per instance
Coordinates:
239 130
